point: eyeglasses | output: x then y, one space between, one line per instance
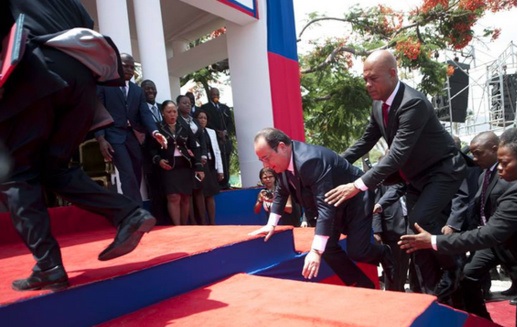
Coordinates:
268 177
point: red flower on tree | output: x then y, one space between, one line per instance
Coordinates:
409 48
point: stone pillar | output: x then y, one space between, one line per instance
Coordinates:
113 21
151 44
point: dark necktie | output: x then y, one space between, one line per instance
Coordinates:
485 184
124 92
295 184
156 113
292 179
385 110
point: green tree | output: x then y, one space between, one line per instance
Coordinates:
336 106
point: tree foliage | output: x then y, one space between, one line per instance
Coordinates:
336 106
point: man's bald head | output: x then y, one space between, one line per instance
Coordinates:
382 58
380 74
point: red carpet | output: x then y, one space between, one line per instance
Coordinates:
80 253
502 313
228 300
244 300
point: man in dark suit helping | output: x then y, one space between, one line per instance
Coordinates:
421 152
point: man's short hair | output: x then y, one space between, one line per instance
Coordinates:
273 137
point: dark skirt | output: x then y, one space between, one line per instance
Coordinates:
210 183
180 179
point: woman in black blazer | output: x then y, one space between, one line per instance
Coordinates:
184 115
179 162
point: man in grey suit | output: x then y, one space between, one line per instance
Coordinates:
307 172
494 242
119 143
421 152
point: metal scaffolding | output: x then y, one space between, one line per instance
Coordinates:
492 97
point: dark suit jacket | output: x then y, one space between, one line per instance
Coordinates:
133 110
182 139
500 230
416 139
495 189
472 177
318 170
42 18
390 223
219 119
200 148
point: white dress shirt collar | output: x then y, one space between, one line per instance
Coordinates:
393 94
291 166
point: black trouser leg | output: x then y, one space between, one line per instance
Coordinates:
31 220
343 266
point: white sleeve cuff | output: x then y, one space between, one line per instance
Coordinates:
273 219
319 243
434 242
359 184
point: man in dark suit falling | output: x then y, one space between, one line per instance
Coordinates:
420 150
46 111
307 172
494 242
119 143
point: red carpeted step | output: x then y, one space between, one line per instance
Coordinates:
244 300
80 251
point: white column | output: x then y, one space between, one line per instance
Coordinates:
114 22
250 88
175 87
151 44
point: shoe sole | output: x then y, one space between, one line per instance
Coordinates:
131 243
53 287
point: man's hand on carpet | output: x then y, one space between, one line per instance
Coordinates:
311 264
266 230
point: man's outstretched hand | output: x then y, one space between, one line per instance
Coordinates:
412 243
160 139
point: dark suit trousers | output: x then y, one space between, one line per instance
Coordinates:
41 141
153 180
427 198
401 259
356 223
475 270
127 158
226 150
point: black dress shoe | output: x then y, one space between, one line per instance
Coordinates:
448 284
54 279
512 301
388 264
510 292
129 233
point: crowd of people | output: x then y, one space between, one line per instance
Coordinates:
448 202
183 178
